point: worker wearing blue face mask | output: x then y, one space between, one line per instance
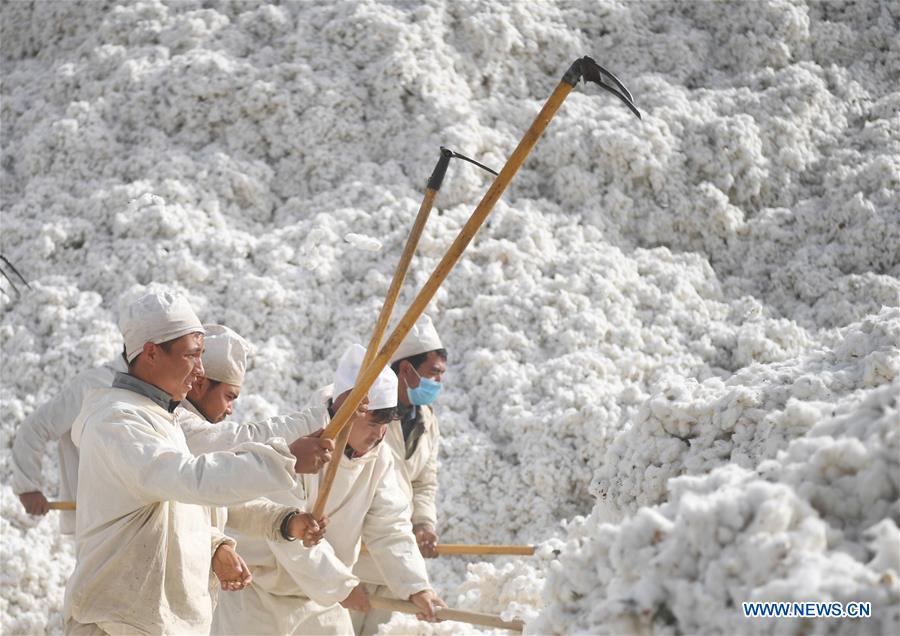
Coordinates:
419 362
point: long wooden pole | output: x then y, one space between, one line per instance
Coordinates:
449 614
61 505
450 258
381 324
461 548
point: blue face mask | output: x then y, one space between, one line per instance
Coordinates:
425 393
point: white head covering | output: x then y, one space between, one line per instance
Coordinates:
383 393
422 338
225 357
156 318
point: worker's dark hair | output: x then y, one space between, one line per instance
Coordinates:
383 416
418 359
165 346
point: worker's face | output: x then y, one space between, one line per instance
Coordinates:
433 367
366 433
174 371
214 400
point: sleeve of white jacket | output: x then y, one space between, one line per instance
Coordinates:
387 533
259 518
425 487
317 571
152 464
46 424
220 538
206 437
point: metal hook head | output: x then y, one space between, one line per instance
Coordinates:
593 72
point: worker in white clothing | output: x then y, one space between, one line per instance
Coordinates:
414 437
299 590
143 537
212 397
52 422
210 400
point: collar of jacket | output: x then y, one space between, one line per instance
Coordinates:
407 413
131 383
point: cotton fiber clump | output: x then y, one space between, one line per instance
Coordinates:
735 535
692 427
674 346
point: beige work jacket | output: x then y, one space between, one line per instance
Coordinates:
143 537
292 584
52 422
417 477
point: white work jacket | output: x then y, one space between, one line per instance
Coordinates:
418 473
417 478
52 422
204 436
143 536
293 584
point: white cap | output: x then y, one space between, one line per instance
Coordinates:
422 338
156 318
225 355
382 395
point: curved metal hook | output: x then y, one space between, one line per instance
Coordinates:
586 68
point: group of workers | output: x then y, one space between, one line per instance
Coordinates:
174 503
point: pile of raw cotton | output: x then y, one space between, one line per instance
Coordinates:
674 347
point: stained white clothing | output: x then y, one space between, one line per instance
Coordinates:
50 422
293 583
143 538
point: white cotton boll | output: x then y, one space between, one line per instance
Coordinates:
881 367
809 387
149 217
884 542
363 242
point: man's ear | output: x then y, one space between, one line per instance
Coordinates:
150 350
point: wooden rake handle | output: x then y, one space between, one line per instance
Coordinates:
342 434
462 548
449 614
449 260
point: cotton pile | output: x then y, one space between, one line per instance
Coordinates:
674 346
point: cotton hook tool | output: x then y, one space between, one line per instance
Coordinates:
387 308
583 68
